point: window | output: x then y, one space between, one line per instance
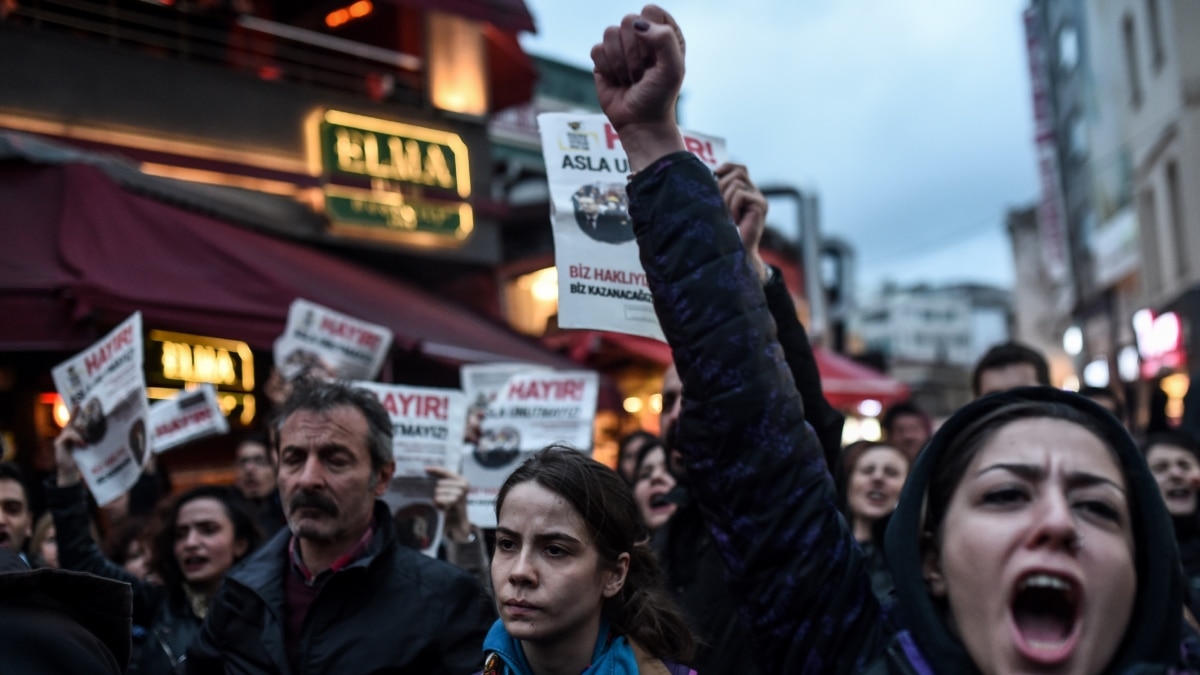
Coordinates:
1131 64
1178 227
1068 48
1156 42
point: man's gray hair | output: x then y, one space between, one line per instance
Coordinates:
317 395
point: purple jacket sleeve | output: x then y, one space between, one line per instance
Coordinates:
755 466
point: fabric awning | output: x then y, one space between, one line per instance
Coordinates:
77 245
510 15
847 383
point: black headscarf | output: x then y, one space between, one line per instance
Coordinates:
1154 631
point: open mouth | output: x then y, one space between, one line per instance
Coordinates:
4 539
877 496
192 563
1179 493
1045 613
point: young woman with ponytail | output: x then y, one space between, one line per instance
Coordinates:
576 583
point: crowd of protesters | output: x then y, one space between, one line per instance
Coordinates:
1028 533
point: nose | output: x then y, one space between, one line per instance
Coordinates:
192 539
523 572
312 475
1056 524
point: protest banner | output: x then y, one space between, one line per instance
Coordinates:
105 388
416 519
323 342
531 411
427 425
601 284
185 417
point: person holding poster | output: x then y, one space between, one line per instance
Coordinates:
201 535
336 592
1030 537
576 582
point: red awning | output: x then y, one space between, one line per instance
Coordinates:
596 347
76 243
846 383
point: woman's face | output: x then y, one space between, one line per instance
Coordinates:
652 483
548 578
1036 551
1176 471
875 483
49 548
205 546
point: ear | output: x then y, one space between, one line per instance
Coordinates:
614 577
931 568
386 472
239 548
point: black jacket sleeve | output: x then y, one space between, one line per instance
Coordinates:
77 551
756 468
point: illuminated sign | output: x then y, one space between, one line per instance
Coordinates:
419 179
1159 341
177 361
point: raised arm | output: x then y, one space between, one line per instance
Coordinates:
757 470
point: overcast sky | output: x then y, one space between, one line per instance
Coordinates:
910 118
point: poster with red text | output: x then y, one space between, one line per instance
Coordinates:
105 388
531 411
188 416
601 284
325 343
427 425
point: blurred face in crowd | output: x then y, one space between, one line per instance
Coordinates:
205 542
627 465
1035 554
875 484
908 434
672 405
1176 471
652 484
255 473
137 562
16 522
1007 377
325 476
547 574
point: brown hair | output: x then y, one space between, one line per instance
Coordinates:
642 610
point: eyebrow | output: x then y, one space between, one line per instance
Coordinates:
1034 472
541 537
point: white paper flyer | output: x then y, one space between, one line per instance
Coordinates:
427 425
105 388
323 342
188 416
601 284
531 411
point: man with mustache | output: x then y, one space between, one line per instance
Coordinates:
335 591
692 567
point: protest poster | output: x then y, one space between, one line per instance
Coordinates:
601 284
427 425
105 388
531 411
322 342
416 519
187 416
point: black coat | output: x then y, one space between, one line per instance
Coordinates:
758 470
392 611
692 565
164 625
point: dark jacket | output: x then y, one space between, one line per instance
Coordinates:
692 566
759 474
392 611
57 622
164 625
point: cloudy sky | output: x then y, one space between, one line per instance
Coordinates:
910 118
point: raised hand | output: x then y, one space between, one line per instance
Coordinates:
638 73
450 495
748 207
65 446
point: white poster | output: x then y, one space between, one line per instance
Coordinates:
531 411
427 425
417 521
601 284
188 416
105 388
326 343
